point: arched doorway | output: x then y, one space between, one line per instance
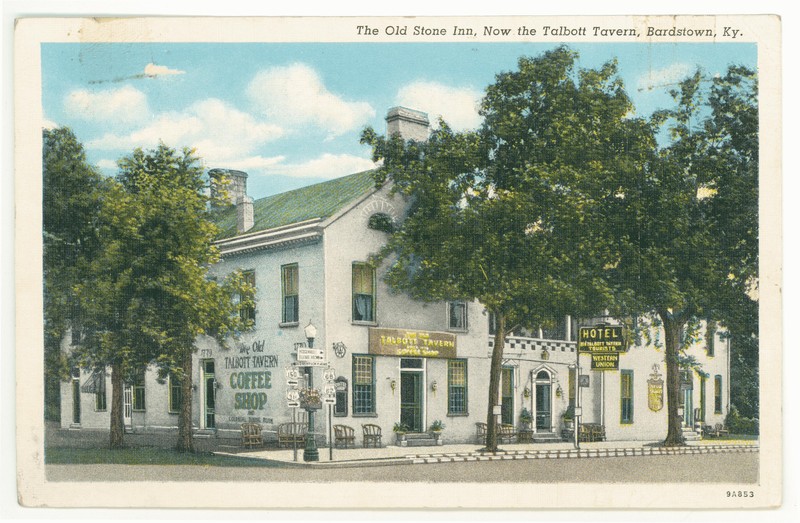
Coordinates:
544 401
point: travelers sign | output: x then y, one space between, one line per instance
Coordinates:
604 343
601 338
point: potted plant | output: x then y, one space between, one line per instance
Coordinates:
526 418
400 430
569 418
436 429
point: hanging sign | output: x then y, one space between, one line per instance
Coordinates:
605 361
601 338
655 390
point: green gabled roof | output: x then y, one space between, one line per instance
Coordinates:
321 200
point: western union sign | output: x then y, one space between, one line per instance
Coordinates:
412 343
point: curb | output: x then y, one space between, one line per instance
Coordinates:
513 455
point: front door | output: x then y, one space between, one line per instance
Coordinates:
507 396
76 400
209 394
127 406
411 400
543 401
688 408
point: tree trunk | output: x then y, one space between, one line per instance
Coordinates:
494 381
117 425
672 340
185 441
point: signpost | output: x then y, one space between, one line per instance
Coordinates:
329 399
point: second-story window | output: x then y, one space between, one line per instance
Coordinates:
291 293
248 312
363 292
457 315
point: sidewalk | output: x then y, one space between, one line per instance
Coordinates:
393 455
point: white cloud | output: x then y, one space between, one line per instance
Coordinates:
664 78
107 165
153 70
218 131
253 163
325 166
457 105
48 124
124 105
295 95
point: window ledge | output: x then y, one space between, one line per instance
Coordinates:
457 415
365 323
463 331
366 415
289 324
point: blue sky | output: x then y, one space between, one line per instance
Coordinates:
291 114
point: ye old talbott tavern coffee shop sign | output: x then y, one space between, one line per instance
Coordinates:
412 343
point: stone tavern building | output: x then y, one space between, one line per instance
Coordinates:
393 359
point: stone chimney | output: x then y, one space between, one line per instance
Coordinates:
244 214
408 123
237 188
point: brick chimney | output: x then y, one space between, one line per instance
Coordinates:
244 214
408 123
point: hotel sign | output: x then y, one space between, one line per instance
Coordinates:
604 343
412 343
601 338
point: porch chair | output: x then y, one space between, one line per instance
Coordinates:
344 436
372 435
251 435
481 429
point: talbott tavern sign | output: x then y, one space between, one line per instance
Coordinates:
412 343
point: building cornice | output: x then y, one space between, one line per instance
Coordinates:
296 233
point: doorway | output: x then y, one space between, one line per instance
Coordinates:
543 402
209 394
688 408
76 398
127 407
411 394
507 396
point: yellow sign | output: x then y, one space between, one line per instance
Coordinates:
605 361
412 343
601 338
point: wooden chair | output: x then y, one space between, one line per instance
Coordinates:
344 436
720 430
481 429
584 433
507 432
292 433
372 435
251 435
597 432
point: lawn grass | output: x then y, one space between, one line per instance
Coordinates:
145 456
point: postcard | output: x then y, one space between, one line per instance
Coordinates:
399 262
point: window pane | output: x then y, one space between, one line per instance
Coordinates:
363 292
458 315
457 387
363 385
626 396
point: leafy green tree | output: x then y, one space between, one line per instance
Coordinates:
511 215
688 225
70 203
149 296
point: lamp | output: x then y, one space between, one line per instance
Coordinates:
392 384
526 393
559 392
311 333
434 386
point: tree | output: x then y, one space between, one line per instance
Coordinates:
510 215
688 225
149 295
70 202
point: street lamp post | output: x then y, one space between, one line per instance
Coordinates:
312 403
